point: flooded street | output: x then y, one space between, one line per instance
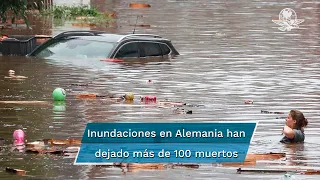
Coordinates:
230 52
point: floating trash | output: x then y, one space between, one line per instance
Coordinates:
148 99
269 112
182 111
18 136
73 84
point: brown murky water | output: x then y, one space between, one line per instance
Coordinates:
230 52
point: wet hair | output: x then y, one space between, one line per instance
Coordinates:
301 121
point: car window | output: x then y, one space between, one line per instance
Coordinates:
151 49
165 49
128 50
74 47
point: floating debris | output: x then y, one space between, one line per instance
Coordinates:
251 159
25 102
194 166
182 111
141 25
139 5
269 112
54 142
281 117
159 166
112 60
173 104
267 156
44 151
79 84
248 102
90 96
64 142
18 136
16 171
296 171
148 99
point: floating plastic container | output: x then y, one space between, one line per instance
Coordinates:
19 45
148 99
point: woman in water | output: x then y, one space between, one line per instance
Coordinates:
294 128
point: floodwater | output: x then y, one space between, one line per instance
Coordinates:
231 51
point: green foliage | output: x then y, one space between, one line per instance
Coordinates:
90 15
11 9
70 12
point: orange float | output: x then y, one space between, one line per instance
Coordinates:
139 5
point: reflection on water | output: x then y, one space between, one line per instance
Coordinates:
231 52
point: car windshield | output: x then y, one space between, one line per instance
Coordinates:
75 47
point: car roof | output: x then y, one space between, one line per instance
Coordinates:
103 36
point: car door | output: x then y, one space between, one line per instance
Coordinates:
128 50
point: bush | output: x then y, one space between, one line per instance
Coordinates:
12 9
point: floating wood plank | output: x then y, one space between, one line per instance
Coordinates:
240 170
291 170
26 102
44 151
64 142
194 166
141 25
251 159
267 156
15 171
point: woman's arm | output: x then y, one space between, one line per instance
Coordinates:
288 132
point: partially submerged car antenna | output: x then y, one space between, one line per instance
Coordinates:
134 29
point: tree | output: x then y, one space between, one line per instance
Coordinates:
12 9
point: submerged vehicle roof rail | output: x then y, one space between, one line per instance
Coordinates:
137 35
78 33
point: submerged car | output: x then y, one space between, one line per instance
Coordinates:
98 44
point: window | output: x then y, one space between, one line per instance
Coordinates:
151 49
128 50
165 49
74 47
